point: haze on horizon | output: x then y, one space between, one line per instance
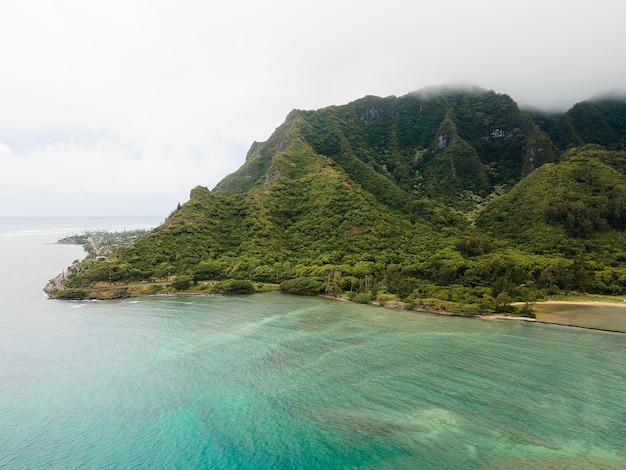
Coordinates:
122 107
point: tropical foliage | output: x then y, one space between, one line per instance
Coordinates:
447 199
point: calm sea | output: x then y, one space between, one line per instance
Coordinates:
276 382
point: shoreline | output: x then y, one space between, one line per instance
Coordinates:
501 317
487 316
588 303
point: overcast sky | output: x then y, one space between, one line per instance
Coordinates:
121 107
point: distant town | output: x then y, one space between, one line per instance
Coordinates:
100 243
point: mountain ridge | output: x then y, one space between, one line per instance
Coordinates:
411 196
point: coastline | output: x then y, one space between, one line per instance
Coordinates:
138 290
501 317
572 323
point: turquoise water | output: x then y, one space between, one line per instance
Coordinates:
276 382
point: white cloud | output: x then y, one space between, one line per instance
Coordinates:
5 151
105 176
156 97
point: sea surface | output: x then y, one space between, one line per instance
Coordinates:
270 381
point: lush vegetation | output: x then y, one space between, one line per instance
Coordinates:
453 200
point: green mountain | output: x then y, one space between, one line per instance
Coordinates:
454 199
451 144
600 121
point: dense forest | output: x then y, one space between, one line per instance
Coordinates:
447 199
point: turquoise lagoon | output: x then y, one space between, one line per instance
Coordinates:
269 381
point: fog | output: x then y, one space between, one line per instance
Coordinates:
122 107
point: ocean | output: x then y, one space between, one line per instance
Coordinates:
270 381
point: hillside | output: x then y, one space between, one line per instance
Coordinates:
451 198
453 145
599 121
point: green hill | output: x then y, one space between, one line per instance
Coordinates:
600 121
455 199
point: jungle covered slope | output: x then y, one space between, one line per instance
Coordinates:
452 198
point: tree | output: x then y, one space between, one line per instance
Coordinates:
182 282
334 281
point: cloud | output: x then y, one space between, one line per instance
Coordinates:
104 176
156 97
